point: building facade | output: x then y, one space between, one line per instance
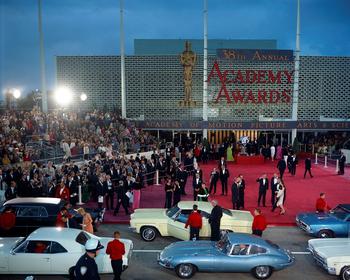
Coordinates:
246 88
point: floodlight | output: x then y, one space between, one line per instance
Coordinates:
63 96
16 93
83 97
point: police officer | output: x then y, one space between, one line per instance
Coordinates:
86 267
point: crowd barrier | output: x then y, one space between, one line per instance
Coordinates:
327 162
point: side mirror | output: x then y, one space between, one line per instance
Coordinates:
12 253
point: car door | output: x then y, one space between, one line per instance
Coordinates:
236 259
205 230
176 225
27 258
62 259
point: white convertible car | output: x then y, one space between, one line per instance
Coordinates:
333 255
53 251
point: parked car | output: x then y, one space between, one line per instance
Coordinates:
333 255
150 222
235 252
336 223
34 212
61 249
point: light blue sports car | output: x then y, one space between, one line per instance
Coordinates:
235 252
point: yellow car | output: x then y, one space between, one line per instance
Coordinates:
150 222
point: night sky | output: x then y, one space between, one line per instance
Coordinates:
91 27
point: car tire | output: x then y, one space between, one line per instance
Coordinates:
185 270
262 271
148 234
325 233
345 273
71 273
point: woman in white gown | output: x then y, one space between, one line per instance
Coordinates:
273 152
280 198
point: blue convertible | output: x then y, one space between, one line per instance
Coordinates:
235 252
336 223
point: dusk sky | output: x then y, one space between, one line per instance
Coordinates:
91 27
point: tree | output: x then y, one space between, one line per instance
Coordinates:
296 145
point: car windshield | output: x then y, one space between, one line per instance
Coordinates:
19 244
223 245
226 211
172 211
339 212
82 237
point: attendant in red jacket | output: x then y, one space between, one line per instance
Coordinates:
62 218
321 204
62 192
116 250
195 222
259 222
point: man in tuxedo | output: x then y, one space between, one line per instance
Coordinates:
263 187
224 175
181 177
151 169
205 154
241 189
197 184
73 186
293 165
109 192
274 185
308 167
161 167
222 162
11 192
281 167
342 161
234 192
101 188
289 162
215 220
122 198
214 177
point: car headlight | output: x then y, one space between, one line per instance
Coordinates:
331 269
166 261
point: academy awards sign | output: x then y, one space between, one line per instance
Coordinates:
255 86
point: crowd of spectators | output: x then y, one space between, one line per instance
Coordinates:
102 139
75 134
326 143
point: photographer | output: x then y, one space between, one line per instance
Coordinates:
62 218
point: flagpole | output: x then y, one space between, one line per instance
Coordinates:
42 61
122 60
205 67
296 74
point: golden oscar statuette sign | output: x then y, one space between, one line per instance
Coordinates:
188 60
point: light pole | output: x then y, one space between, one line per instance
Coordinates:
42 61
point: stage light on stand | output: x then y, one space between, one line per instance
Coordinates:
16 93
63 96
83 97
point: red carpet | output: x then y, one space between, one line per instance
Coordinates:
301 193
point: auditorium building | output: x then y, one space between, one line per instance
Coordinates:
250 88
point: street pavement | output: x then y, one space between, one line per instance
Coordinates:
143 265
